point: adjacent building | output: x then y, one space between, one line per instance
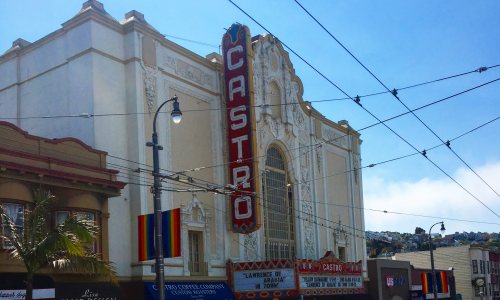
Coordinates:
78 176
475 269
101 80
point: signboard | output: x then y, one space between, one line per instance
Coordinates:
45 294
264 280
272 279
190 291
243 175
329 282
87 290
330 276
286 278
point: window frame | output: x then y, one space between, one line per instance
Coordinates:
23 205
196 260
474 266
96 246
279 236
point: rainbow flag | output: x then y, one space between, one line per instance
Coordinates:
441 282
171 220
146 237
171 233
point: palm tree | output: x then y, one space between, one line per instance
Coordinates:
63 247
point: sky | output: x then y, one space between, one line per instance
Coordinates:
402 43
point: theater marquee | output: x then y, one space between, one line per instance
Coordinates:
237 53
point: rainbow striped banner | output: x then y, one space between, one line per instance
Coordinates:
171 220
441 282
171 232
146 226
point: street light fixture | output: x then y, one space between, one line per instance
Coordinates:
159 268
433 273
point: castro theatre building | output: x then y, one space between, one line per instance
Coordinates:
269 190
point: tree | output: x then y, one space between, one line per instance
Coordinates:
63 247
419 230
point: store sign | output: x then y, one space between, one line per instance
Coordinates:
44 294
264 280
87 291
237 54
394 280
190 291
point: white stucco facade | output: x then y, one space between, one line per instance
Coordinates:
101 80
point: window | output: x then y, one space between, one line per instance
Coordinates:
342 254
474 266
481 266
61 216
15 211
197 265
279 234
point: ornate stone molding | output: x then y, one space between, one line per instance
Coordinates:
306 202
187 71
319 156
167 85
150 76
298 116
195 217
250 247
334 137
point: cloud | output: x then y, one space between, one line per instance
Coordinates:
441 198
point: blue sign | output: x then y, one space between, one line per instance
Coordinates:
190 291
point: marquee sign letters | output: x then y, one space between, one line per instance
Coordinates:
237 53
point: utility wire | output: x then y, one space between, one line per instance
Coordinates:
357 101
394 92
204 188
90 115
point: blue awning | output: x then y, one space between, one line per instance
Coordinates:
190 290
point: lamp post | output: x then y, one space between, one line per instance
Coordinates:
433 273
159 269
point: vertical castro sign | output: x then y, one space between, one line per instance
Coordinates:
237 53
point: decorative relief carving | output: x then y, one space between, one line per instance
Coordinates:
309 244
193 73
250 246
187 71
195 212
319 156
274 62
168 62
262 137
150 75
298 116
334 138
304 161
356 167
306 202
275 126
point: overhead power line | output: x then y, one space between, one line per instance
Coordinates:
394 93
357 101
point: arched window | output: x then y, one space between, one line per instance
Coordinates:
279 234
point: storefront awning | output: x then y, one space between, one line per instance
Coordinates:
190 290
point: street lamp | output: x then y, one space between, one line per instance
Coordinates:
159 269
433 273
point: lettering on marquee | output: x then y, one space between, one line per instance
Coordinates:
237 54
